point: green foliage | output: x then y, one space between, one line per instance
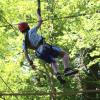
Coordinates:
71 24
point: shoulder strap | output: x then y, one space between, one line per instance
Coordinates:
27 43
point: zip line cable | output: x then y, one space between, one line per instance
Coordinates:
58 18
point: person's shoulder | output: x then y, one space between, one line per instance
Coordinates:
34 29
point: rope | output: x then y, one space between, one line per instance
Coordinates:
39 7
65 17
49 93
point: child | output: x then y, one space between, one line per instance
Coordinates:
44 51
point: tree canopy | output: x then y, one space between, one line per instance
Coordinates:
73 25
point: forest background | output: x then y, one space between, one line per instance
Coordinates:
74 25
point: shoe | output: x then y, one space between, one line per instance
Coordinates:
58 75
69 71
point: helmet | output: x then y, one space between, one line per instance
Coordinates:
22 26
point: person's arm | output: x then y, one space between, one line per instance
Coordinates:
27 56
29 60
39 18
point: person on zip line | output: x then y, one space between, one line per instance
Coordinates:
43 50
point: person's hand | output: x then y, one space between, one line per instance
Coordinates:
33 66
30 62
